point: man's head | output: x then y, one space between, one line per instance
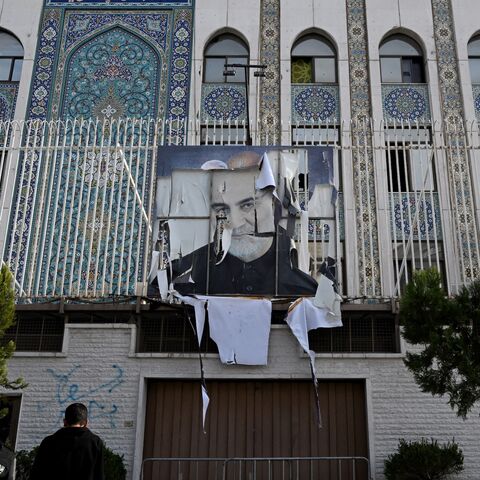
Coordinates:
246 211
76 415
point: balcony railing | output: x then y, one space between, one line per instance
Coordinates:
406 102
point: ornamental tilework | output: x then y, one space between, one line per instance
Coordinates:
8 100
223 102
406 103
315 103
476 100
138 35
404 206
270 125
117 3
47 52
81 25
457 157
179 86
113 74
104 64
363 165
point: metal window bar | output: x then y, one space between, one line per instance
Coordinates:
49 162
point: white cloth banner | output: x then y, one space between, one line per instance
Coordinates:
304 316
199 307
241 328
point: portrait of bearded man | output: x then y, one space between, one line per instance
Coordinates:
251 254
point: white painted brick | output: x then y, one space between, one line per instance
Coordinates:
398 408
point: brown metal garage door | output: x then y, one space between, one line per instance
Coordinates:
256 419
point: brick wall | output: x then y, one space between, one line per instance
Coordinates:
98 368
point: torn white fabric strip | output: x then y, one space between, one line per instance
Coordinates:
303 253
199 306
326 295
153 266
205 403
241 328
304 316
162 283
265 178
327 298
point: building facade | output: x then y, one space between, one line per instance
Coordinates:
91 92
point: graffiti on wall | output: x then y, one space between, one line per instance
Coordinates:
98 397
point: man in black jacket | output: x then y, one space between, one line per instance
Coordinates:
71 453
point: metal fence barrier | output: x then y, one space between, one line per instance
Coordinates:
256 468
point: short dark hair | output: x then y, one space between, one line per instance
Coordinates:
76 413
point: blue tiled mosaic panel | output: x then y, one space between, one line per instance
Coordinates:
115 74
223 102
404 206
160 41
8 99
315 103
116 3
406 103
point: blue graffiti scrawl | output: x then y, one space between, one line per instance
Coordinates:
97 398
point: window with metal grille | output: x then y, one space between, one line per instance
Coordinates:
370 332
35 332
171 332
100 317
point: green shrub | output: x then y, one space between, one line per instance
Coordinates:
423 460
113 464
24 463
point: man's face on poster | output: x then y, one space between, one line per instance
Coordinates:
246 211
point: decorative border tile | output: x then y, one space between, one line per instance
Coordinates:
406 103
223 101
364 181
315 103
453 115
180 68
117 3
476 100
47 52
8 100
269 111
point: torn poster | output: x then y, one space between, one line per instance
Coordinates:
230 223
303 316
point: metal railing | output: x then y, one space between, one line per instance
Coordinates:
424 176
256 468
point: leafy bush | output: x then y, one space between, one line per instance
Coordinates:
113 464
423 460
24 463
